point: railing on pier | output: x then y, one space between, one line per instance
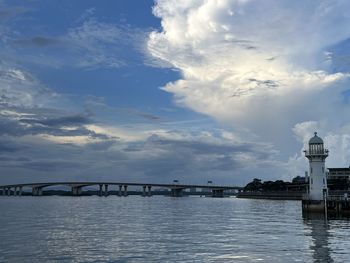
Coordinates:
337 198
332 196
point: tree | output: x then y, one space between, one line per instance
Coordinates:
254 185
267 186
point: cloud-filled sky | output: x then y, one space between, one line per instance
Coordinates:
193 90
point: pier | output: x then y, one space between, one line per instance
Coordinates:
333 206
118 188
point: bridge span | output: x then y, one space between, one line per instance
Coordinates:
104 188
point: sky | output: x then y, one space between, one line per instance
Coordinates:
153 91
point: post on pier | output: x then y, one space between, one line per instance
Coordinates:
3 191
106 190
100 190
144 190
120 193
125 190
8 191
20 191
149 193
15 191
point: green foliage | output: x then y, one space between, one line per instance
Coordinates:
257 185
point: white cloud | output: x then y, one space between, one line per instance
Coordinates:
256 65
19 88
89 44
93 40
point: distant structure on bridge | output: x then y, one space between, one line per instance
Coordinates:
104 188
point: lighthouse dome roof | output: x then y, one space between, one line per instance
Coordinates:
315 139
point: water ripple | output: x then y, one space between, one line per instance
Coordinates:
164 229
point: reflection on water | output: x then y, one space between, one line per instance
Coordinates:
164 229
320 229
329 238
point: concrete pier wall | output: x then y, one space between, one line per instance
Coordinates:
280 195
334 208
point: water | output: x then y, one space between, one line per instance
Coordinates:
165 229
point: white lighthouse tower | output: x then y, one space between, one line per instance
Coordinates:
317 156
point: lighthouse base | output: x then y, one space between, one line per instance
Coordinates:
333 208
313 206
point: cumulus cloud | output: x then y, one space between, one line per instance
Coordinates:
236 57
261 66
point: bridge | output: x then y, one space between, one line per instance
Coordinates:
176 190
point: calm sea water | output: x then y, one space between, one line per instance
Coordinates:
165 229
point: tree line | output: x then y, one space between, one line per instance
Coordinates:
278 185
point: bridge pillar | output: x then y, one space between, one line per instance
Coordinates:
20 191
125 190
37 191
144 190
176 192
100 190
217 193
8 191
3 191
149 190
76 190
106 190
120 193
15 191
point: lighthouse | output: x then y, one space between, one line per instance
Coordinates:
317 155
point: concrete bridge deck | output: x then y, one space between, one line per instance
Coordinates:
176 189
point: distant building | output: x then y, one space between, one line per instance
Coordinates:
338 178
338 173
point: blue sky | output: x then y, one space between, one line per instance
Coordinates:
151 91
51 20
